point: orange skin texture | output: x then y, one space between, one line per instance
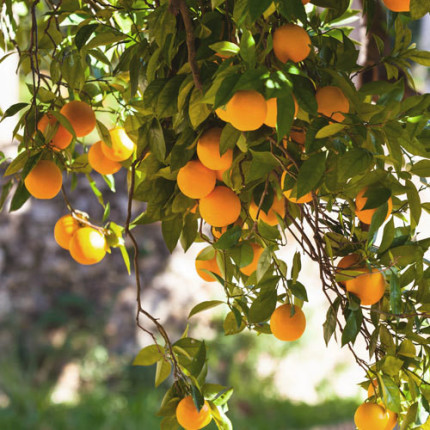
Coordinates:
349 261
221 207
291 42
249 269
247 110
368 287
272 111
61 139
223 114
219 173
332 102
370 416
189 417
210 265
87 246
304 199
64 230
44 181
392 420
208 150
81 116
99 162
365 216
398 5
269 218
195 180
122 146
286 327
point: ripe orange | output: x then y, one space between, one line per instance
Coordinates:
272 111
287 193
332 102
371 389
278 206
221 207
210 265
64 230
99 162
247 110
291 42
87 246
365 216
195 180
223 113
286 327
208 150
349 261
368 287
218 232
81 116
219 173
392 420
370 416
189 417
252 266
44 181
122 146
62 138
398 5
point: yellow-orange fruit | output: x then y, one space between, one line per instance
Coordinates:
81 116
398 5
221 207
189 417
332 102
392 420
252 266
208 150
371 389
122 146
211 265
44 181
62 138
286 327
64 230
291 42
287 193
370 416
219 174
365 216
348 261
368 287
272 111
99 162
247 110
223 114
278 207
87 246
195 180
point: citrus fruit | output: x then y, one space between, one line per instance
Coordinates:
62 138
99 162
365 216
392 420
286 327
44 180
249 269
221 207
210 265
370 416
81 116
305 1
195 180
350 261
332 102
269 217
371 389
87 246
64 230
398 5
218 232
287 193
368 287
122 146
291 42
223 113
219 174
272 111
208 150
189 417
247 110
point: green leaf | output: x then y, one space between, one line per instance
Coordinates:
156 140
171 229
18 163
310 173
414 203
352 327
169 423
262 164
411 416
229 138
247 48
263 307
329 130
391 394
225 48
298 290
20 196
198 111
395 294
257 7
329 326
106 38
388 236
189 231
231 326
392 365
264 263
421 168
83 34
229 239
378 219
419 8
204 306
285 115
14 109
162 371
297 266
5 192
148 356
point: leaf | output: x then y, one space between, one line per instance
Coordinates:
83 34
329 130
156 140
225 48
14 109
162 371
171 229
285 115
262 163
169 423
388 236
414 203
297 266
352 327
310 173
204 306
198 111
419 8
229 239
392 365
395 294
18 163
231 326
421 168
5 192
391 394
264 263
263 307
148 356
411 416
257 8
247 48
298 290
329 326
229 137
378 219
20 196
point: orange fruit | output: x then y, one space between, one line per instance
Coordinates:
221 207
219 173
223 113
252 266
210 265
64 230
332 102
218 232
189 417
368 287
44 181
398 5
371 389
287 193
392 420
291 42
370 416
62 138
286 327
365 216
81 116
208 150
272 111
270 217
305 1
87 246
247 110
348 261
298 135
195 180
99 162
122 146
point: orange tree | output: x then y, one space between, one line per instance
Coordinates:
239 121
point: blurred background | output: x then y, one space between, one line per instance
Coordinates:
68 334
